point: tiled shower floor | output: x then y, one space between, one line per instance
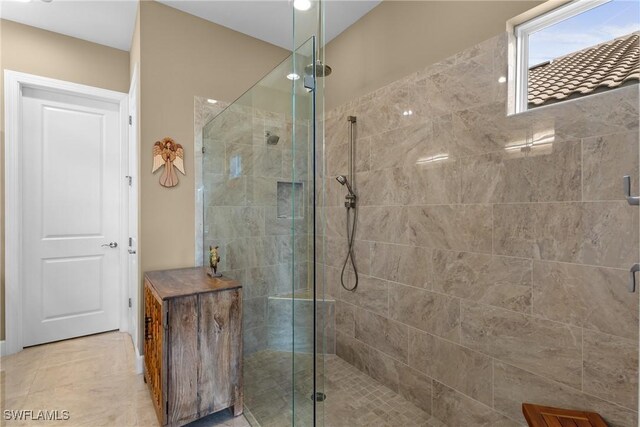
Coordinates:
353 398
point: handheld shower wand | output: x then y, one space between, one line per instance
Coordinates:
351 197
350 204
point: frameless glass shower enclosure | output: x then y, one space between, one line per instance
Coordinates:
258 174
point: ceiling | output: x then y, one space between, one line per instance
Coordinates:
111 23
272 21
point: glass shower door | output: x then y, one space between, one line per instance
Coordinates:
259 211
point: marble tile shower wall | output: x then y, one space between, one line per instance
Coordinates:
258 247
493 251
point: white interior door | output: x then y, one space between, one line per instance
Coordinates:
71 178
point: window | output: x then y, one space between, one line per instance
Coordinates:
583 47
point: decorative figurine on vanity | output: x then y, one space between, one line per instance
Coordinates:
214 259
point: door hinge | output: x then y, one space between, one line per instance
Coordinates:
130 241
309 82
129 179
130 120
129 302
202 150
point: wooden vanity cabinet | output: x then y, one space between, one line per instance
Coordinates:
192 344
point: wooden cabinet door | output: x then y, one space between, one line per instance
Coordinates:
153 341
182 360
220 367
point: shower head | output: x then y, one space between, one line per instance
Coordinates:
344 181
271 138
321 70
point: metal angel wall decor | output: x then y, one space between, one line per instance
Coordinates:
168 154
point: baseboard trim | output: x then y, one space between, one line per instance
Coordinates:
139 361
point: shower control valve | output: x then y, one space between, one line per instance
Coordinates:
350 201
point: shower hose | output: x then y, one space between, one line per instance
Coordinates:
351 232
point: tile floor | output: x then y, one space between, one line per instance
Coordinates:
94 379
353 398
91 377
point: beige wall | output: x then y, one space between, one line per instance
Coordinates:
179 56
184 56
48 54
35 51
399 37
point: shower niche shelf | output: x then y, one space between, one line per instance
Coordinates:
290 202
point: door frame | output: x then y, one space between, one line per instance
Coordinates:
134 290
14 82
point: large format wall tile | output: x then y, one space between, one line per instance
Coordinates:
435 313
241 159
415 387
276 225
606 160
514 230
222 191
615 111
371 294
458 227
459 410
588 233
434 180
594 233
335 222
267 162
485 129
255 312
383 187
409 265
383 111
458 367
381 333
336 250
592 297
524 341
229 222
332 250
494 280
259 191
328 282
403 147
254 340
337 154
330 193
246 252
611 368
375 363
508 176
514 386
501 242
383 223
335 134
428 100
345 321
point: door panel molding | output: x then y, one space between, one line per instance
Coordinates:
15 83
